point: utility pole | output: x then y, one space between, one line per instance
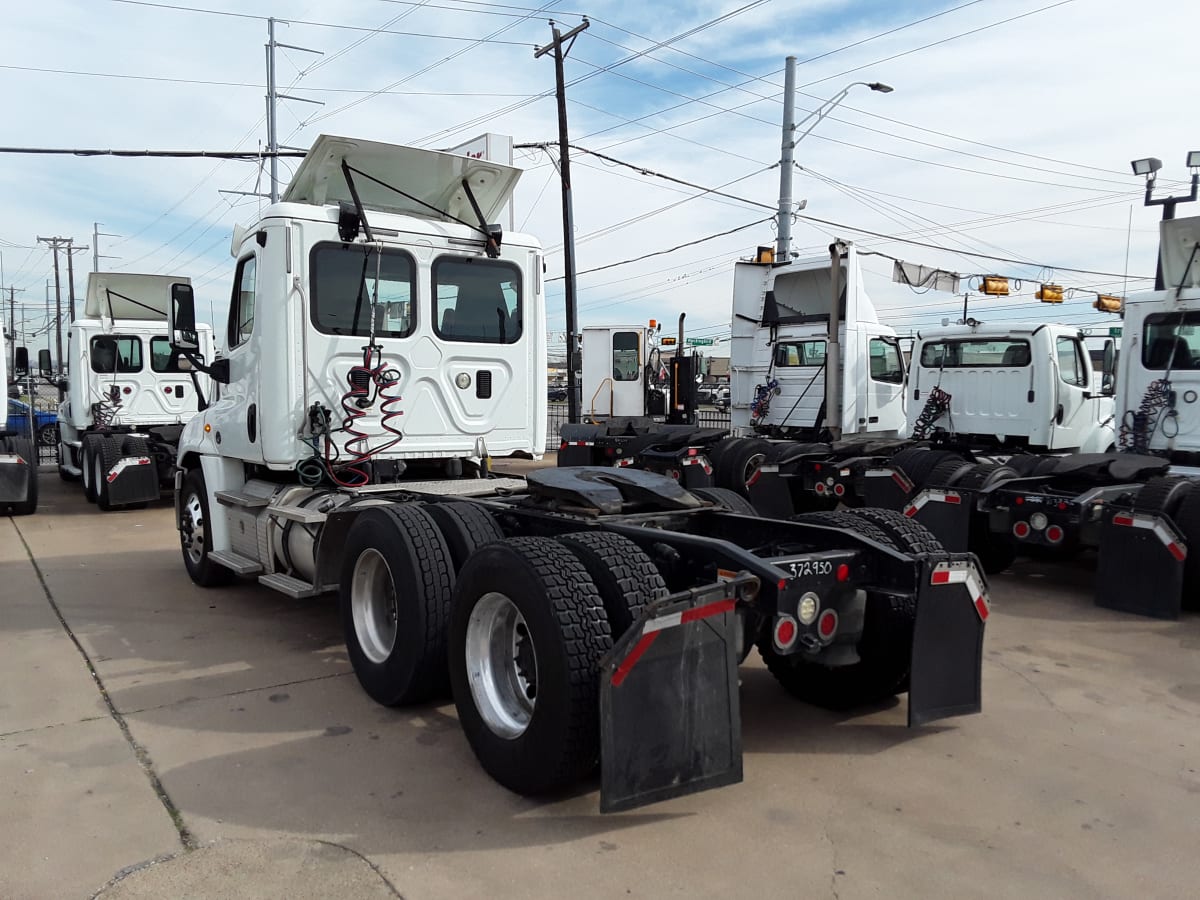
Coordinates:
783 231
96 254
273 95
55 243
564 171
71 251
12 320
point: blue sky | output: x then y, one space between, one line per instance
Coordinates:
1022 130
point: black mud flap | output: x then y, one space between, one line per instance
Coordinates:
947 513
771 493
670 722
15 473
885 488
134 479
947 650
1140 564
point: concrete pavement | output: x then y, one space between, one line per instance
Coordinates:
1078 780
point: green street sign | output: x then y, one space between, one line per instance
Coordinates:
1115 331
699 342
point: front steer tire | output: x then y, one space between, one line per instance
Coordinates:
195 534
527 633
394 601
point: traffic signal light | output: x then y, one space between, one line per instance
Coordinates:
1108 303
1050 293
995 285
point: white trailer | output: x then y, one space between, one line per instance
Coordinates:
128 393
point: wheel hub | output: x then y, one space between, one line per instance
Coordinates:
501 665
191 528
373 606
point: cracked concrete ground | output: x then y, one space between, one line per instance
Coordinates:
159 740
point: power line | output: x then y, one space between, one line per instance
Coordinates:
159 154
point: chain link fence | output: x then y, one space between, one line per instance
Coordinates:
33 413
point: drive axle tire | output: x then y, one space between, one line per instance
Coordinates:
740 463
527 633
947 473
1187 519
626 577
907 535
731 500
1162 495
87 467
849 521
466 527
394 599
195 537
107 453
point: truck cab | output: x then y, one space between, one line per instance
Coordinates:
778 357
18 453
1017 386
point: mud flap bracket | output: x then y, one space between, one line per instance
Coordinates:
670 721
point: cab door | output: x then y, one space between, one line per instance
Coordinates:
1073 415
235 416
885 408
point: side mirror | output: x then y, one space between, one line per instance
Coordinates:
21 362
45 364
181 318
1108 379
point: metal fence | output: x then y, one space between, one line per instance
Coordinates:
707 417
33 412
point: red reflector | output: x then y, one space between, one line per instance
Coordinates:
1054 534
827 624
843 572
1176 551
1122 520
166 390
940 577
981 607
782 584
817 467
563 445
692 451
953 498
127 391
1062 504
753 479
839 489
609 451
910 511
1021 529
1020 500
785 632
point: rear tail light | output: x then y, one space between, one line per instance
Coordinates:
1054 534
827 624
785 632
839 489
819 487
1021 530
843 572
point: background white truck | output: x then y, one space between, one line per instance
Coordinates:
18 453
128 394
397 340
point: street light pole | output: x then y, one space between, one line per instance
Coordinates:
783 224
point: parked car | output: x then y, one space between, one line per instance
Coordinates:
45 424
556 394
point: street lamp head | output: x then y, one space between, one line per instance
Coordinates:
1193 159
1147 166
881 87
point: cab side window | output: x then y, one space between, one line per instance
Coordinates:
886 363
241 308
1070 362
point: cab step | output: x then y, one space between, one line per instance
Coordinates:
235 562
293 587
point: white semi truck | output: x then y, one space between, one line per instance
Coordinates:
386 341
128 394
18 452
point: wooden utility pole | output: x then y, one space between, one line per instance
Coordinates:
564 171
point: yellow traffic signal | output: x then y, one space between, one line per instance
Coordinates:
1050 293
765 255
995 285
1108 303
667 342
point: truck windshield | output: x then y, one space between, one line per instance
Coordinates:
976 354
476 300
345 279
1174 339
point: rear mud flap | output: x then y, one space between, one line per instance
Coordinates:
670 721
133 481
1140 565
947 513
771 493
885 488
947 651
15 474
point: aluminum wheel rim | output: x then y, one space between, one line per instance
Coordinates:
373 606
501 665
86 471
753 464
97 473
192 529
